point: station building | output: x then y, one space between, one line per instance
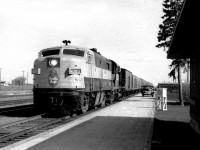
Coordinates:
185 44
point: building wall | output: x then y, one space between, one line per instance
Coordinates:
195 94
172 90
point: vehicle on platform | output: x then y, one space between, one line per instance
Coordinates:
147 90
75 79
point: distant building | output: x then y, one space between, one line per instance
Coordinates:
172 90
3 83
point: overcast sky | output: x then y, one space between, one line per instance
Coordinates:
122 30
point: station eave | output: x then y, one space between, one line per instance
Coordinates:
185 39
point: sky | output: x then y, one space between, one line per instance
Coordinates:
122 30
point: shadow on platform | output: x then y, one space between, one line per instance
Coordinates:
173 135
177 103
172 131
101 133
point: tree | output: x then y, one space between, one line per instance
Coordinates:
176 66
19 81
172 10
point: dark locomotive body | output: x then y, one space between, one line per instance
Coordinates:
73 78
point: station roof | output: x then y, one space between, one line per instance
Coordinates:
184 42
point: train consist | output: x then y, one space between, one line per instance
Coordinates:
75 79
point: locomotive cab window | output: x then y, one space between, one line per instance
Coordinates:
50 52
75 52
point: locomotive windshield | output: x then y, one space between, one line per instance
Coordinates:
73 52
50 52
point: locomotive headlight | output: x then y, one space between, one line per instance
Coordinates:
53 62
74 71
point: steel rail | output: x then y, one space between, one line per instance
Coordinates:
26 127
16 107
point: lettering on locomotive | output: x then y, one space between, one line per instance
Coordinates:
53 77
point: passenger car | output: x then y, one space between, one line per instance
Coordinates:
147 90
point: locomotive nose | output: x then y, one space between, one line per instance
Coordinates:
46 72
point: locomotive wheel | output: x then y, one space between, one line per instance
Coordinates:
84 103
111 98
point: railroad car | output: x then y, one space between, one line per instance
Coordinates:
126 81
135 84
74 78
116 87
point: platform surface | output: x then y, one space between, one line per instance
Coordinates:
126 125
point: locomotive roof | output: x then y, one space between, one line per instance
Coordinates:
65 46
77 47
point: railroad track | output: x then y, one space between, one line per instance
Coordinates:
16 108
15 100
17 131
14 95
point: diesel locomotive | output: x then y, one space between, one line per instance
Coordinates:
74 78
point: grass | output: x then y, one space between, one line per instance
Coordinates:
17 87
171 130
186 92
15 90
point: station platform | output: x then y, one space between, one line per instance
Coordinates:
125 125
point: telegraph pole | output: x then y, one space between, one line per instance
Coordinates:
23 80
0 79
188 71
27 77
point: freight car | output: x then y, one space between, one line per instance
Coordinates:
128 82
75 79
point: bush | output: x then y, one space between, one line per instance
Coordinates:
186 92
17 87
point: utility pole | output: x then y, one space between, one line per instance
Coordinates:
188 71
27 77
23 80
0 79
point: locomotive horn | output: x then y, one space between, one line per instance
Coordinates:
66 42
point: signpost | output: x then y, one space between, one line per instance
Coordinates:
161 99
0 79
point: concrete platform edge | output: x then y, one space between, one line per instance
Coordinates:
148 140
